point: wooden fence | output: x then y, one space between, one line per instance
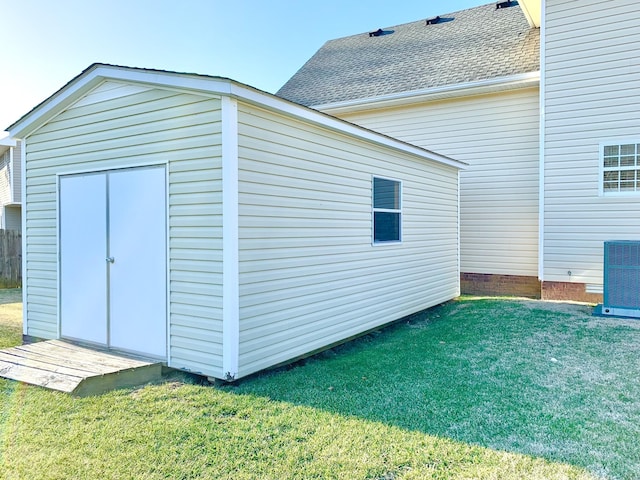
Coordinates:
10 259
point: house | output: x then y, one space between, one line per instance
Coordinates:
10 185
222 229
537 98
590 129
468 87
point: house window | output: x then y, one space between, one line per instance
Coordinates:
620 167
387 213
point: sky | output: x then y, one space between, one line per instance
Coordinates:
46 43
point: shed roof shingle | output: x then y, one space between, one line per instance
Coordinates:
470 45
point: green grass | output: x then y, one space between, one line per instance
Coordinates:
472 389
10 317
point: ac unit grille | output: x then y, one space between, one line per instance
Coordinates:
622 278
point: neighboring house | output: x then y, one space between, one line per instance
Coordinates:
10 185
220 228
546 186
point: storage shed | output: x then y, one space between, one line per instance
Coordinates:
219 228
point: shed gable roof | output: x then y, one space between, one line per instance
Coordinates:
470 45
97 74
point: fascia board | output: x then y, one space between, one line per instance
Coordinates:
95 75
181 81
6 143
532 11
513 82
98 73
311 115
48 109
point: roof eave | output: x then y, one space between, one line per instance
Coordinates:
6 143
98 73
278 104
480 87
532 10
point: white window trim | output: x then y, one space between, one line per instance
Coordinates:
374 210
601 170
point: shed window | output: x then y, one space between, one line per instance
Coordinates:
387 213
620 164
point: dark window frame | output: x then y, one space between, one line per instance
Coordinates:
386 210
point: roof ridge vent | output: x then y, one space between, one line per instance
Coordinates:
507 4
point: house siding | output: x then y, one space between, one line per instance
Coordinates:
591 73
5 177
16 191
10 188
12 218
118 125
498 136
309 276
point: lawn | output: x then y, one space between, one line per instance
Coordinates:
476 388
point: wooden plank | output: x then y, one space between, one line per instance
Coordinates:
34 376
99 353
70 368
123 379
73 361
42 363
99 358
10 258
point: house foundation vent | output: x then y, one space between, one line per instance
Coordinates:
621 279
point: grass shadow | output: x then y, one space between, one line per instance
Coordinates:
10 295
536 378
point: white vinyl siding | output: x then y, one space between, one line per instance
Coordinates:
118 126
591 80
16 188
309 275
10 188
498 136
5 177
12 217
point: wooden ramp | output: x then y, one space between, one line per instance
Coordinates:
66 367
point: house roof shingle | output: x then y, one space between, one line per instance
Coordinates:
470 45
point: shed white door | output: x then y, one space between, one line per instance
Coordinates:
113 259
83 270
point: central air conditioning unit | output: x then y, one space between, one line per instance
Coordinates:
622 279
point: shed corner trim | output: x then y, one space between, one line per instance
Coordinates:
230 241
